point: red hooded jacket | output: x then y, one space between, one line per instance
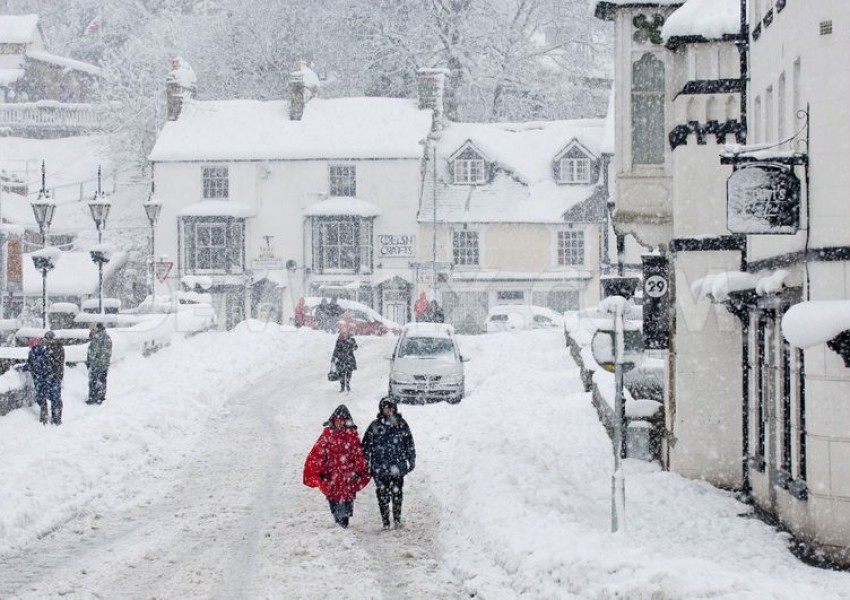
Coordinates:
336 464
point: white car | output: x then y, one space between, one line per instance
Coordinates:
518 317
426 365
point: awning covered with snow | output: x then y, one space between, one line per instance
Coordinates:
808 324
342 207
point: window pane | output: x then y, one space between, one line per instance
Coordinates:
648 89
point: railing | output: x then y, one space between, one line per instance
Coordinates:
48 116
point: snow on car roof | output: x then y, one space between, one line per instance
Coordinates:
428 330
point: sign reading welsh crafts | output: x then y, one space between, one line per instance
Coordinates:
392 246
763 199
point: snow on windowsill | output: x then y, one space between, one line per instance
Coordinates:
217 208
342 207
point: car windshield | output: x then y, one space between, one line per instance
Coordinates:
425 346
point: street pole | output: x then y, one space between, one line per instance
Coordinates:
434 222
618 482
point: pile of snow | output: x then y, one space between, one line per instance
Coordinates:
709 19
808 324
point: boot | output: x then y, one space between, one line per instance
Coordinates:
44 416
57 416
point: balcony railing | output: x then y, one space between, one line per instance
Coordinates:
48 118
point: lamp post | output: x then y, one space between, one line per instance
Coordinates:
99 207
43 208
152 208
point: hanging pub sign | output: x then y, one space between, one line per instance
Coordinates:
763 198
656 301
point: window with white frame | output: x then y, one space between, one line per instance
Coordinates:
216 182
342 245
469 170
343 180
570 247
465 248
648 91
575 170
213 244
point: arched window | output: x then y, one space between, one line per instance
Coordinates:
648 111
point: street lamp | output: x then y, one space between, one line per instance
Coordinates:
99 207
43 208
152 208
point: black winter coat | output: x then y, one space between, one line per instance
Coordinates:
343 355
389 448
40 365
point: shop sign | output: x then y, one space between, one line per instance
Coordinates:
656 301
396 246
763 199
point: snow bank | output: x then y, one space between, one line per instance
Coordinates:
710 19
808 324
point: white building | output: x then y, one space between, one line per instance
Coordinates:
264 202
758 378
514 213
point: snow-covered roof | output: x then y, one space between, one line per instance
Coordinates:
335 207
9 76
523 189
17 29
217 208
604 9
74 273
61 61
720 285
709 19
811 323
339 128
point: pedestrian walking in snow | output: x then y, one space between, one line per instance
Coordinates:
420 306
41 370
300 313
334 313
57 362
390 454
434 314
343 359
97 360
336 465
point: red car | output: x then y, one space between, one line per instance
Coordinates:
363 322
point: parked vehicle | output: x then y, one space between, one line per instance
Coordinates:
426 365
364 320
518 317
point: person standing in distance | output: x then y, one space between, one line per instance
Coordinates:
56 353
343 358
97 360
390 454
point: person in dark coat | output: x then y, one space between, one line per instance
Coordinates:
57 362
334 314
343 359
434 314
390 454
41 369
98 359
336 465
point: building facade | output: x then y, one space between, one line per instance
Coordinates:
732 136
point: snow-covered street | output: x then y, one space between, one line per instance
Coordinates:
187 484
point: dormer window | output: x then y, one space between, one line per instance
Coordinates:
575 164
468 166
575 170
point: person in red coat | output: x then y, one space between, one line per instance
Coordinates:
336 465
420 306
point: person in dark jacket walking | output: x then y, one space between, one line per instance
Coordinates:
57 362
40 368
343 359
334 313
98 359
434 314
336 465
390 454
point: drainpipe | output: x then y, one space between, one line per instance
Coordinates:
743 49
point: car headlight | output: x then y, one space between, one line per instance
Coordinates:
399 377
453 378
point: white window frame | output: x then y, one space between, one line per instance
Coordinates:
470 257
215 182
469 171
564 252
197 255
575 170
329 248
342 181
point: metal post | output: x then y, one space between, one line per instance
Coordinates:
43 284
434 223
153 266
618 482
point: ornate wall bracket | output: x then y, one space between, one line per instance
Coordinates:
840 344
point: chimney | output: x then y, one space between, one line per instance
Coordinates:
179 85
430 84
303 85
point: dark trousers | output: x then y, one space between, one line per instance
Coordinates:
390 490
48 395
341 512
344 379
97 387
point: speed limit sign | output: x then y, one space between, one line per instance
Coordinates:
655 286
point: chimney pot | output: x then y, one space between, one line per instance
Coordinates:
430 84
179 85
